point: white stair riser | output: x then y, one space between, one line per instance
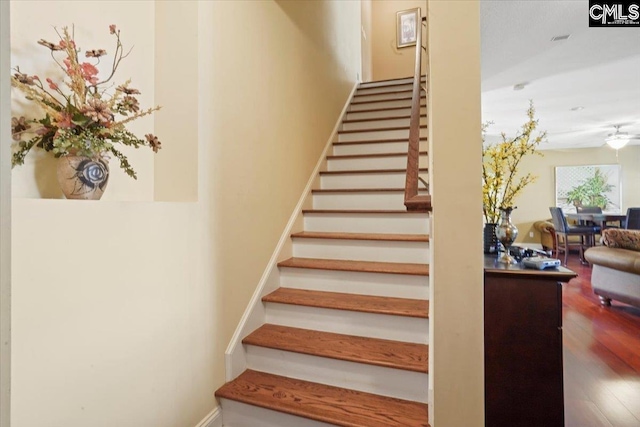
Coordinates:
377 124
362 250
362 200
369 163
238 414
359 106
376 148
392 83
383 89
368 180
351 282
378 135
391 95
375 135
382 326
356 376
358 115
369 200
367 223
380 124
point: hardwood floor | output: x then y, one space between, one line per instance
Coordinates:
601 357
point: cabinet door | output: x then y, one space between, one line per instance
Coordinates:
523 353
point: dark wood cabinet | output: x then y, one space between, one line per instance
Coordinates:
523 345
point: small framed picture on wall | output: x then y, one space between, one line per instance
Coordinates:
407 27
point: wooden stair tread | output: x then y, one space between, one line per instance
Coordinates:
333 405
360 190
377 141
360 266
367 171
361 211
370 156
351 302
372 351
340 132
388 237
378 101
383 109
376 119
395 79
358 95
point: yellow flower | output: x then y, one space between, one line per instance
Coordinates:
500 182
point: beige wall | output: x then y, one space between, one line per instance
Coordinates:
115 318
456 277
534 202
269 127
388 61
125 320
176 53
37 178
5 219
366 40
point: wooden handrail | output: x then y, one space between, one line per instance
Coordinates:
412 200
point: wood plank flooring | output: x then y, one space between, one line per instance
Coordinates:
601 357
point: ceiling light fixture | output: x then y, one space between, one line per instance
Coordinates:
520 86
560 38
618 139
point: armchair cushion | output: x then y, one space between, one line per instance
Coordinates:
620 238
547 233
614 258
544 226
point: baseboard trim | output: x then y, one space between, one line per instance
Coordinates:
213 419
253 317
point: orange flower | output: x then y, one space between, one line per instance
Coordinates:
63 44
65 121
89 72
52 85
153 142
70 70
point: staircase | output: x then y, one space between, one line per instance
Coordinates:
346 335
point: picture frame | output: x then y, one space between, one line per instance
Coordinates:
581 182
407 27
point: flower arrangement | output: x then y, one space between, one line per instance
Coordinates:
500 182
83 115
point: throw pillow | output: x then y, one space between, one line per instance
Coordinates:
620 238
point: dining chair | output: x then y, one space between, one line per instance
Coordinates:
633 219
564 231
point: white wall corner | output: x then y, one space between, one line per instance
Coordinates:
5 218
254 315
213 419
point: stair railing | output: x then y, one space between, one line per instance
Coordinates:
412 200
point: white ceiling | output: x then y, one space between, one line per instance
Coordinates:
596 68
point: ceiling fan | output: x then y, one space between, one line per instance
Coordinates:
619 139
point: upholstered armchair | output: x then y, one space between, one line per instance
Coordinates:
547 234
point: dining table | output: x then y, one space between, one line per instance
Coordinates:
601 219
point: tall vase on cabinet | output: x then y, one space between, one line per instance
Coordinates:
506 232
